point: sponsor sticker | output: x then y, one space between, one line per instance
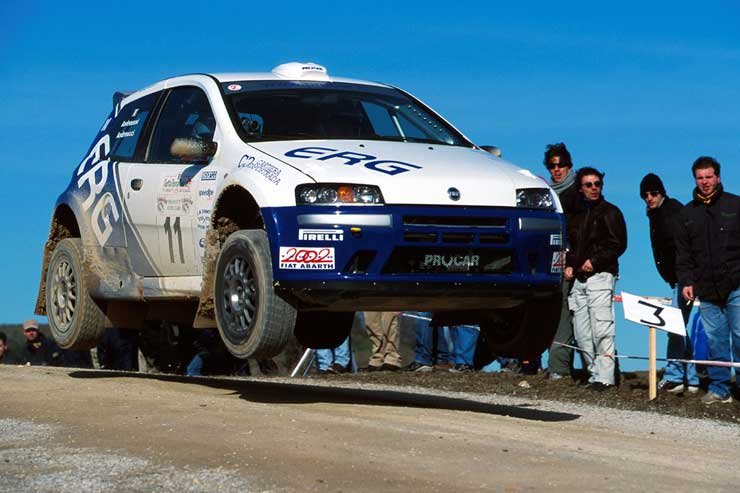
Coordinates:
206 193
234 87
321 235
208 175
556 240
270 172
451 262
307 258
558 262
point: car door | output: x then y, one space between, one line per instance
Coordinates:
164 193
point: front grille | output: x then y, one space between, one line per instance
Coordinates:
420 260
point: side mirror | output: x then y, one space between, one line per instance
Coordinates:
493 150
193 150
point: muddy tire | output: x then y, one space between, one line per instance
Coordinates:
75 320
523 332
323 330
252 320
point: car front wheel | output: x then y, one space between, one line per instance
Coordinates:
252 320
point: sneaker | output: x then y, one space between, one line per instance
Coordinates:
711 398
390 367
339 369
693 389
462 368
374 368
444 366
555 376
598 386
671 387
419 367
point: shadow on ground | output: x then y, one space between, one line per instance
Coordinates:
304 393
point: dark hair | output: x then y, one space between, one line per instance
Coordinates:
588 171
560 150
704 162
3 337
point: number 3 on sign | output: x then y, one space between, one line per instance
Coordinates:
653 314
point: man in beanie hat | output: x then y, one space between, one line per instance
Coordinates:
663 213
39 350
708 267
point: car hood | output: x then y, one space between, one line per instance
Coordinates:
408 173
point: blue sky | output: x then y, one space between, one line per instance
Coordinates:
631 88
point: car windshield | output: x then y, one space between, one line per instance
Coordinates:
281 110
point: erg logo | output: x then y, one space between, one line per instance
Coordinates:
387 166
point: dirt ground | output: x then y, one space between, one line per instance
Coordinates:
631 394
111 431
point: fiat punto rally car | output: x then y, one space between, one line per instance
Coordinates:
271 204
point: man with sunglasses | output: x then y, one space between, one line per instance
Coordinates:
663 213
598 237
562 179
708 267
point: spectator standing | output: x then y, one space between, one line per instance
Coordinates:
431 349
598 237
708 267
562 180
39 350
663 213
334 360
382 327
464 340
6 356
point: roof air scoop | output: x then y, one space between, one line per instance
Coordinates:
301 71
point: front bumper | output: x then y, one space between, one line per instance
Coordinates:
413 257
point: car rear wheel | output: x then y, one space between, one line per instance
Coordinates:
522 332
75 320
253 321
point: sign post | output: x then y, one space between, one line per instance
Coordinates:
654 316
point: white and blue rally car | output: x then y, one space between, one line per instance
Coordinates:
271 204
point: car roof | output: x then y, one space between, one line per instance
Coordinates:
239 76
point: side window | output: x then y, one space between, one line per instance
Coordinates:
186 121
128 126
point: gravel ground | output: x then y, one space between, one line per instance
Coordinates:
32 460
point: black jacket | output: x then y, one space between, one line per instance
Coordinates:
42 352
570 199
9 358
662 233
597 233
708 246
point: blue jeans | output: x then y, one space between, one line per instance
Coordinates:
680 347
722 325
464 340
339 355
424 352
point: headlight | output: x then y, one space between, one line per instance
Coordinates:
534 198
337 193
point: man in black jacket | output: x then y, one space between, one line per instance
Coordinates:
39 350
598 237
6 356
562 179
708 266
663 213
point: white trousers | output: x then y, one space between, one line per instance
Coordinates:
593 324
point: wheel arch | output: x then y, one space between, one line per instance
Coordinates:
235 209
64 224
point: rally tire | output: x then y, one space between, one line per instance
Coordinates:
253 321
75 320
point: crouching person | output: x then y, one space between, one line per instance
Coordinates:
598 237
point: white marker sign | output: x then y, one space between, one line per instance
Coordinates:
653 314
